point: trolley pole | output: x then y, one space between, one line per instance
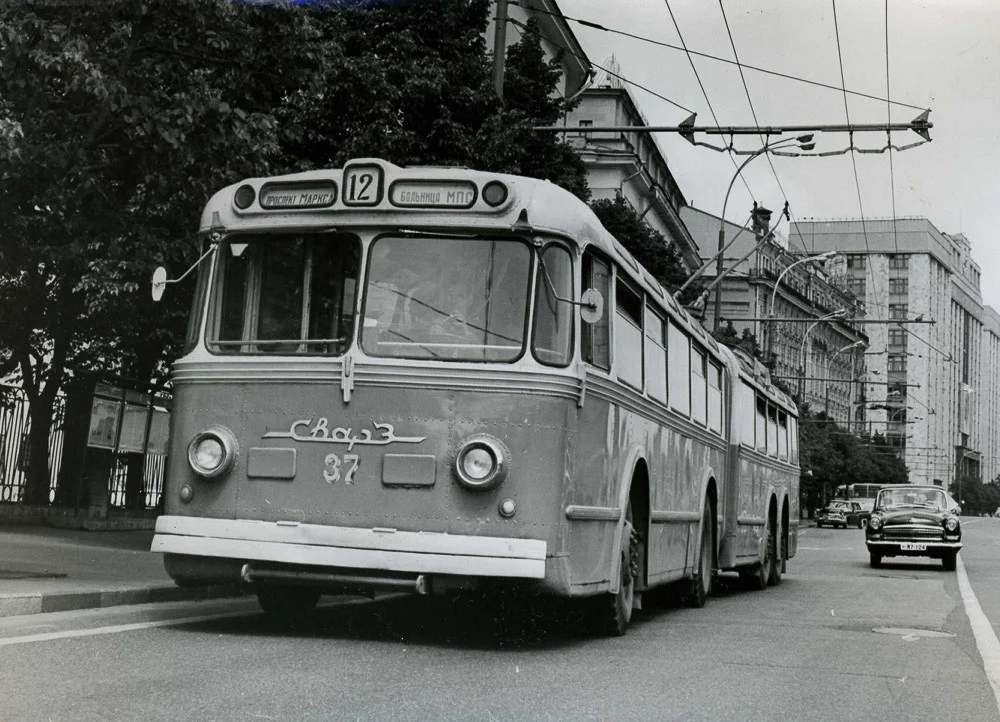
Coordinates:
499 46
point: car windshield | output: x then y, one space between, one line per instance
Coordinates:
912 498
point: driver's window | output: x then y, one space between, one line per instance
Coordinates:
596 337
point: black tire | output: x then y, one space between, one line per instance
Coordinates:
819 525
950 561
610 614
779 559
875 559
701 582
760 575
286 604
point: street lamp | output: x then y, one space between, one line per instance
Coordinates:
770 315
830 373
839 313
804 142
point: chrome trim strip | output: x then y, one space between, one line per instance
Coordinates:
751 521
593 513
674 517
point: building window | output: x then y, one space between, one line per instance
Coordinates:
898 286
897 362
899 261
898 310
855 261
897 337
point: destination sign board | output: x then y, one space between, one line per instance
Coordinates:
432 194
312 194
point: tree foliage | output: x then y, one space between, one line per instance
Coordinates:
648 245
119 119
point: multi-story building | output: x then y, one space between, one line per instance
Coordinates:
928 354
555 37
802 315
989 395
629 164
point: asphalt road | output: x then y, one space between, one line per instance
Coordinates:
805 650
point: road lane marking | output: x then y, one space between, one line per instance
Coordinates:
118 628
986 638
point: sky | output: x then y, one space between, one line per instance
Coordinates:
943 55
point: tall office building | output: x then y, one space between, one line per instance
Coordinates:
925 379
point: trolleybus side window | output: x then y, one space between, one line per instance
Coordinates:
761 425
715 397
793 440
595 340
286 289
457 299
678 369
782 435
772 430
699 388
747 422
628 333
656 357
552 337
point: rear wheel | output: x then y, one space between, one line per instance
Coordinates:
611 613
875 559
950 560
779 560
286 604
761 573
701 582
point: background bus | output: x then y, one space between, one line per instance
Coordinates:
437 379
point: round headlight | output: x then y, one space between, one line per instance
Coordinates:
478 463
481 462
212 452
875 523
951 523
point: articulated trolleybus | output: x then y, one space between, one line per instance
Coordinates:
437 379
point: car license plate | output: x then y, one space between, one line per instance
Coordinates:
913 547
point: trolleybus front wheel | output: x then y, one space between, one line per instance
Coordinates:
611 613
286 604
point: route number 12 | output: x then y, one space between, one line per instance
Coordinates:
362 185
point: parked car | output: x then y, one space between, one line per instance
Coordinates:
911 520
841 513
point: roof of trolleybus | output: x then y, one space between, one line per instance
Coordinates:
436 198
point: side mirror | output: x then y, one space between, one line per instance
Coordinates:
591 306
159 283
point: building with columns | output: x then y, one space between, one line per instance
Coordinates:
907 270
819 358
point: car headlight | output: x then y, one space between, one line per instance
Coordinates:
212 452
951 523
482 462
875 522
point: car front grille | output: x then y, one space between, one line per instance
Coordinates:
913 531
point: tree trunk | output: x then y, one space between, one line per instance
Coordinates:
36 486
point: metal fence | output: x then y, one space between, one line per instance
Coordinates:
15 425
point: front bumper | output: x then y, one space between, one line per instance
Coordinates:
895 547
350 548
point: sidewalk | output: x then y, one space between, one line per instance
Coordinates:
45 569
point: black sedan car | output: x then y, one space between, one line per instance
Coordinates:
840 513
913 521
